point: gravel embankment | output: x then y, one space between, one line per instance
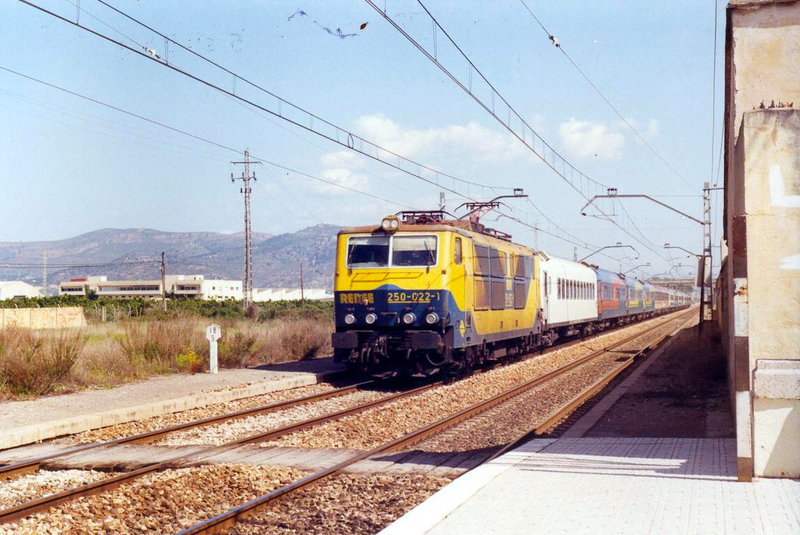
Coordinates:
165 502
216 409
346 504
30 486
371 428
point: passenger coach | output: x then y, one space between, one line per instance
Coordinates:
420 294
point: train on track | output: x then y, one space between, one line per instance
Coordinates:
421 294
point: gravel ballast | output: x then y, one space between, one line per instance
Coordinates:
166 420
345 504
164 502
30 486
374 427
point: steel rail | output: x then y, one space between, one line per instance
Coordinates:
32 465
40 504
35 464
227 519
554 418
524 437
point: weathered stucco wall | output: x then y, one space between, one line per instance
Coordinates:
772 206
761 278
770 190
764 59
42 318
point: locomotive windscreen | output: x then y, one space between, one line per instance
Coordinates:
376 251
368 252
414 251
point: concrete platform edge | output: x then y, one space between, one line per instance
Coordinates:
21 436
436 508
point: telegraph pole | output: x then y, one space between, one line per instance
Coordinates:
302 289
248 259
706 254
163 282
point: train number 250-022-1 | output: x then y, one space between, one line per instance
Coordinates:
412 297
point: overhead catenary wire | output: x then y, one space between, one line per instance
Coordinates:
351 140
559 163
200 138
560 46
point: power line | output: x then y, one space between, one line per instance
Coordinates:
714 93
576 179
196 137
51 265
339 135
557 159
560 47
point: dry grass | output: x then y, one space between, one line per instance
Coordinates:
36 363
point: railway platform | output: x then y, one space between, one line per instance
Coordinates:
656 454
26 422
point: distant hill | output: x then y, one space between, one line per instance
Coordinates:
276 259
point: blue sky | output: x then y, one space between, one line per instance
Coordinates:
70 166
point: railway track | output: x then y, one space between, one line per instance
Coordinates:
226 520
46 502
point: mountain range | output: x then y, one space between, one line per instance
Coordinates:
136 254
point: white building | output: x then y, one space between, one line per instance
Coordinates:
12 289
290 294
186 286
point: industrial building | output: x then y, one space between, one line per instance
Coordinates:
14 289
185 286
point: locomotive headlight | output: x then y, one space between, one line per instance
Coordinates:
349 319
371 318
409 318
432 318
390 224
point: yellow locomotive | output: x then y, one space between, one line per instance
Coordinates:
422 294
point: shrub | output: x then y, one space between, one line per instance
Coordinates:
157 343
296 340
189 361
237 347
32 363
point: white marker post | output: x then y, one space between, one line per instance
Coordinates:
213 333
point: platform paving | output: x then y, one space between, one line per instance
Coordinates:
26 422
610 485
655 455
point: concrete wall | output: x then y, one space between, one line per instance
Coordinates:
760 286
42 318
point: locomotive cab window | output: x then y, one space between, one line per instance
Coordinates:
414 251
394 251
457 252
368 252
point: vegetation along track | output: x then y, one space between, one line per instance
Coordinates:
229 518
286 475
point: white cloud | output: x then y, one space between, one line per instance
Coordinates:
344 177
648 130
583 139
342 158
470 139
